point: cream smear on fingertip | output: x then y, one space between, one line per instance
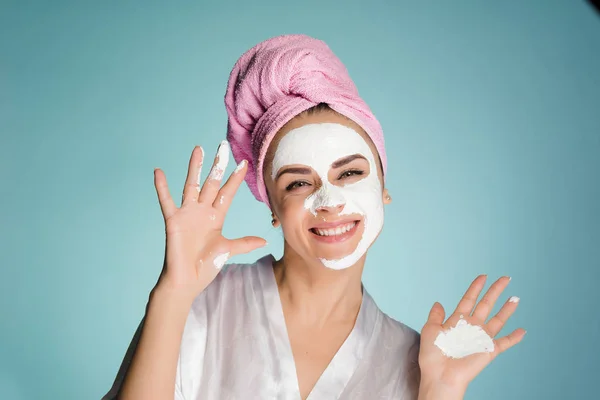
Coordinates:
222 160
319 146
200 170
463 340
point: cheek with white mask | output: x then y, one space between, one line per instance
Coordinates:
318 146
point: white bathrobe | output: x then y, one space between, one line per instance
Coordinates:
235 346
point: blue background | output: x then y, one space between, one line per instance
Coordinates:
492 120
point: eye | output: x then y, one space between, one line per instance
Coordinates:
295 185
349 173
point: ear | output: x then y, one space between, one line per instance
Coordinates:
387 199
274 221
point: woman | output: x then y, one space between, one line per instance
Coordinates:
302 327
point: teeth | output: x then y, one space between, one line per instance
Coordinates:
336 231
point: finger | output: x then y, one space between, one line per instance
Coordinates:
466 304
437 314
167 205
213 182
508 341
486 304
225 195
495 325
191 188
246 244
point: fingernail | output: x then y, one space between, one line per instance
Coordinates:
514 299
239 167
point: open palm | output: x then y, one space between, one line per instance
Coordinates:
458 372
195 246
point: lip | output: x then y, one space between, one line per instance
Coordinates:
336 238
333 225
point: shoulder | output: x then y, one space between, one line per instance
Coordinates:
391 368
405 338
395 327
401 343
401 337
394 340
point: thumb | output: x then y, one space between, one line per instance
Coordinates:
246 244
437 314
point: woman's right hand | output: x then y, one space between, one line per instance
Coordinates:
195 247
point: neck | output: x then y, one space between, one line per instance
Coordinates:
316 294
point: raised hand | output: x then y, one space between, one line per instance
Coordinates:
443 374
195 247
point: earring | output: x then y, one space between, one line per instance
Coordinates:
387 197
273 221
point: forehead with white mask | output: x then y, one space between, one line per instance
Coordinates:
319 146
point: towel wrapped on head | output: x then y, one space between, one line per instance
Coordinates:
275 81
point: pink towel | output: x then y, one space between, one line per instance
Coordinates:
276 80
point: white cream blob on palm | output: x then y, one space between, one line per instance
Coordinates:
318 146
463 340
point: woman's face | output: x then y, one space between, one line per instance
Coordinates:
325 187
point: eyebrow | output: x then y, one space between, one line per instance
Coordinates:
293 170
346 160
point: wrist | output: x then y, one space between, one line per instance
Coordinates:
171 297
431 390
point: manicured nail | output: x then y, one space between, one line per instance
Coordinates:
514 299
241 165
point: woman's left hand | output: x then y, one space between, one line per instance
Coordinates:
443 377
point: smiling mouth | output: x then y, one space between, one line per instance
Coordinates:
338 230
335 234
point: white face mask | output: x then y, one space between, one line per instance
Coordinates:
318 146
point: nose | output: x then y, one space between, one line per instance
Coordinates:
335 209
328 199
